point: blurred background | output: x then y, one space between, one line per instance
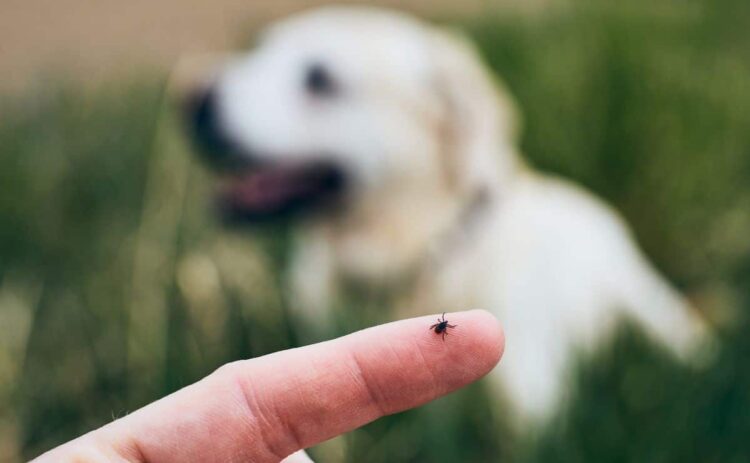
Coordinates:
113 293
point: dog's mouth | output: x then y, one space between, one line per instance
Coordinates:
259 191
272 191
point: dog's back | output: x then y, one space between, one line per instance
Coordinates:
561 269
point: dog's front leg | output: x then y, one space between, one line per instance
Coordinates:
311 285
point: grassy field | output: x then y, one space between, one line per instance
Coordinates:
117 286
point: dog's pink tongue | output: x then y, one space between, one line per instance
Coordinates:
264 190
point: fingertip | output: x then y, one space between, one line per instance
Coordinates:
483 340
490 336
468 352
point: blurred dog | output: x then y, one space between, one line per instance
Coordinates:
406 147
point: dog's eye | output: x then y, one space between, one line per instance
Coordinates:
318 81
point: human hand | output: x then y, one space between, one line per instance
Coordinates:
267 408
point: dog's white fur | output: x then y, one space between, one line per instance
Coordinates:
426 134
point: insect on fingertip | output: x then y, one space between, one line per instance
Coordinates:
442 326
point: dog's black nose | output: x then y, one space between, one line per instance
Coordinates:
204 124
203 121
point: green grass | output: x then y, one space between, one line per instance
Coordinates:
117 286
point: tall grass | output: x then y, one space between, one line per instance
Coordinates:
117 286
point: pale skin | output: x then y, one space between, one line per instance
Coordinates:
265 409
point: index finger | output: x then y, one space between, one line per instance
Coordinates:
266 408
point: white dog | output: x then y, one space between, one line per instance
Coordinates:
405 145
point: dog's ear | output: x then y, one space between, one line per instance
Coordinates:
480 122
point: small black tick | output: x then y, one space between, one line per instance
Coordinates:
441 327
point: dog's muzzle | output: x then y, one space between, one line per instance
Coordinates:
259 191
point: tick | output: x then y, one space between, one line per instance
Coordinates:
441 327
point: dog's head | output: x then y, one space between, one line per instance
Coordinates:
341 103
